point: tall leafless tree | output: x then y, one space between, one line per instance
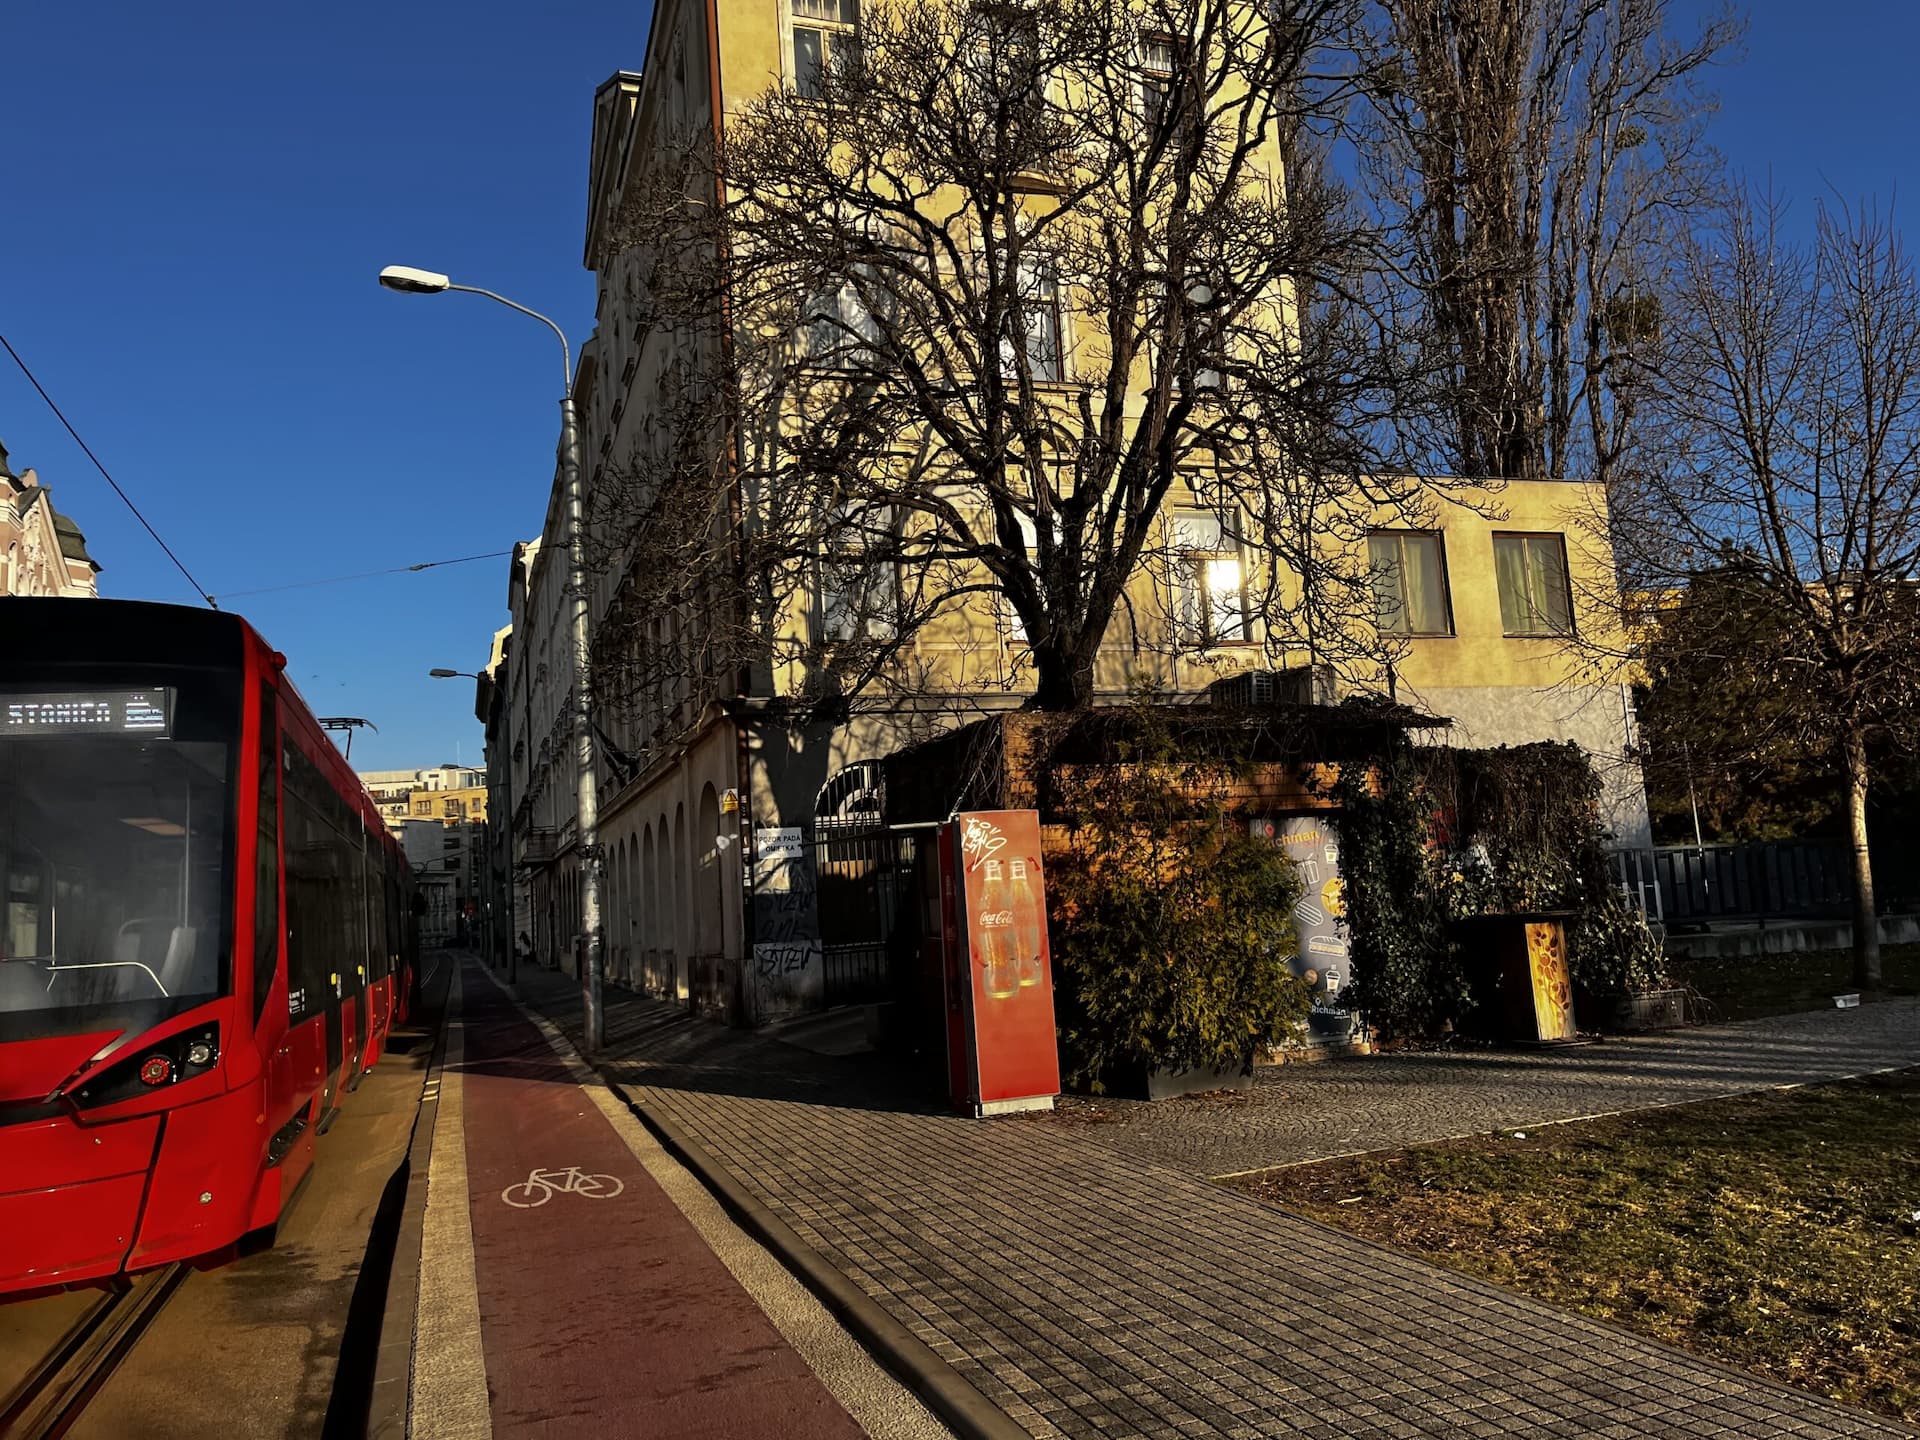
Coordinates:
1784 462
967 306
1535 158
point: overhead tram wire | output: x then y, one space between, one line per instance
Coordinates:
32 380
367 575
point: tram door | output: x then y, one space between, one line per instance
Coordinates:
367 901
321 864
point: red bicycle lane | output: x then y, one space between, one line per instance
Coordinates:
603 1314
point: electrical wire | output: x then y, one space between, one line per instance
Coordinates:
367 574
198 588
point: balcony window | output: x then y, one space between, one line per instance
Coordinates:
1409 583
1209 582
1532 574
824 36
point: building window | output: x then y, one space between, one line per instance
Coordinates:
1209 581
857 600
423 807
1039 334
840 328
1409 583
1532 574
1159 61
823 41
456 809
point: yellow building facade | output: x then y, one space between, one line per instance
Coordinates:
713 794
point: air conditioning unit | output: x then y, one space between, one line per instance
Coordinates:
1309 685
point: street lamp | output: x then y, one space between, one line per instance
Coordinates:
409 281
506 804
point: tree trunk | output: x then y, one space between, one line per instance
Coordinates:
1866 923
1062 680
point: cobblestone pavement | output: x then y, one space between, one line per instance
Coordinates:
1091 1292
1341 1107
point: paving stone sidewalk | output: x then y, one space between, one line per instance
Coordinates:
1093 1292
1309 1112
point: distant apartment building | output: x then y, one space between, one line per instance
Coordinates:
439 815
450 794
42 551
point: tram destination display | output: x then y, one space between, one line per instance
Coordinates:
146 712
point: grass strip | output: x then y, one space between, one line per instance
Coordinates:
1777 1232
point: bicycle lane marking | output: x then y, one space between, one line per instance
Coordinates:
604 1314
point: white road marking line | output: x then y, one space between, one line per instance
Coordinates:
449 1398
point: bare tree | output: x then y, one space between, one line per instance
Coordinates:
966 308
1786 466
1535 158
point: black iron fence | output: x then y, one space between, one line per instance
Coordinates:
1777 880
864 881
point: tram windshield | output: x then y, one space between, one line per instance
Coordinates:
114 859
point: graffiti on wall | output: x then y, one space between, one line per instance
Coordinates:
788 971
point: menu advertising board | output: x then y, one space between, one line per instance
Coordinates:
1322 956
1552 993
1000 933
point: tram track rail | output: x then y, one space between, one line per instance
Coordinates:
55 1392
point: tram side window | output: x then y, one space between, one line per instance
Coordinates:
266 873
375 911
353 908
320 858
393 913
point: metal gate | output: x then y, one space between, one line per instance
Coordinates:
865 894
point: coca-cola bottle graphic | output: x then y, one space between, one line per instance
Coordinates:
1026 925
996 936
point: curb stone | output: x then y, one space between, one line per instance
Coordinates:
389 1408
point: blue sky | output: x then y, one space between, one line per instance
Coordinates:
198 197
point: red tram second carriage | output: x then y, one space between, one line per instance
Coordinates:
206 933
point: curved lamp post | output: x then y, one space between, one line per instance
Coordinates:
409 281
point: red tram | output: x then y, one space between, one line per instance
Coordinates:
206 932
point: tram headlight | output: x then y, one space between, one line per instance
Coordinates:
152 1067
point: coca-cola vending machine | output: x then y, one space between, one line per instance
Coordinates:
1002 1053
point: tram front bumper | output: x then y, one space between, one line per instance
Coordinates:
70 1198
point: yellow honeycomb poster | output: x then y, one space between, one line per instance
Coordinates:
1552 992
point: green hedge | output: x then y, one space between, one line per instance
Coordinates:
1172 926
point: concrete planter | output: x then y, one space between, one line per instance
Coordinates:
1637 1013
1143 1084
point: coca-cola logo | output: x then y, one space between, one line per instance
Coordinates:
994 919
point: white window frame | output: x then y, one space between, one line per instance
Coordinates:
837 605
824 337
1155 76
1196 614
1035 270
795 15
